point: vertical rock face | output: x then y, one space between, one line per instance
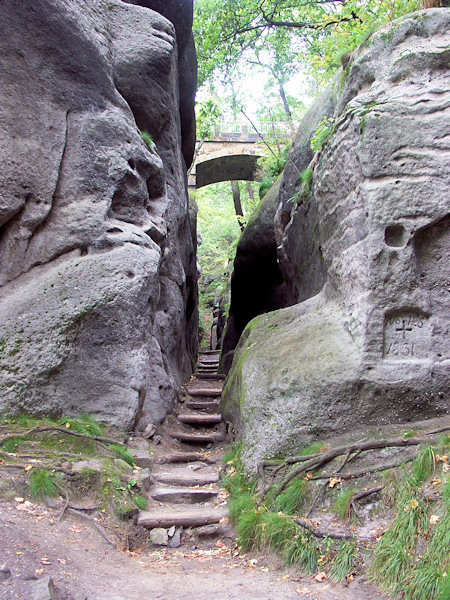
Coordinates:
372 346
97 265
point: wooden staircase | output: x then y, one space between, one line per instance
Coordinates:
186 492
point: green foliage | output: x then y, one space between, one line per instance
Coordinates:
207 114
279 37
272 166
140 501
12 444
306 177
341 504
147 139
424 465
275 530
343 561
248 528
322 134
84 424
394 562
218 226
41 484
293 498
302 551
123 454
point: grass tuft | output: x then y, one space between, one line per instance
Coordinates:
343 561
140 501
276 530
342 503
302 551
293 498
41 484
424 465
123 453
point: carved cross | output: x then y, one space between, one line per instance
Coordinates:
403 328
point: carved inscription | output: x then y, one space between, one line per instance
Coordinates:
406 335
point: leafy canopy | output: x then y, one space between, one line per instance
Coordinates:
284 33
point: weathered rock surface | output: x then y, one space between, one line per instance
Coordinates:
97 263
372 346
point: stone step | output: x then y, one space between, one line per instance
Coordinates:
208 366
185 457
210 375
188 516
209 352
198 438
179 495
199 419
186 478
205 392
206 405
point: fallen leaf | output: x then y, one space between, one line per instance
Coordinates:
303 590
442 458
436 481
286 576
45 561
411 505
62 561
334 481
265 569
39 571
434 519
350 577
320 576
18 499
67 425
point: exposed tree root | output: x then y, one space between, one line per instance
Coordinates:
316 461
25 434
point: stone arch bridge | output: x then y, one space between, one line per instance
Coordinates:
231 154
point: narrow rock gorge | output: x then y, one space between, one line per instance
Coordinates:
360 336
98 273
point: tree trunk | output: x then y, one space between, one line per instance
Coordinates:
237 204
251 193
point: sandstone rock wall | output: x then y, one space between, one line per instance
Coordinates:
97 263
372 346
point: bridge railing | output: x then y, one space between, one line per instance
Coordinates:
232 128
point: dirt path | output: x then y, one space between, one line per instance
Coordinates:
33 543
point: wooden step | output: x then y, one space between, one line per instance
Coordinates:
208 366
179 495
205 392
207 405
210 376
188 516
185 457
186 479
198 419
198 438
181 457
209 360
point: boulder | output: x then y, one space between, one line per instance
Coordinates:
372 346
97 262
